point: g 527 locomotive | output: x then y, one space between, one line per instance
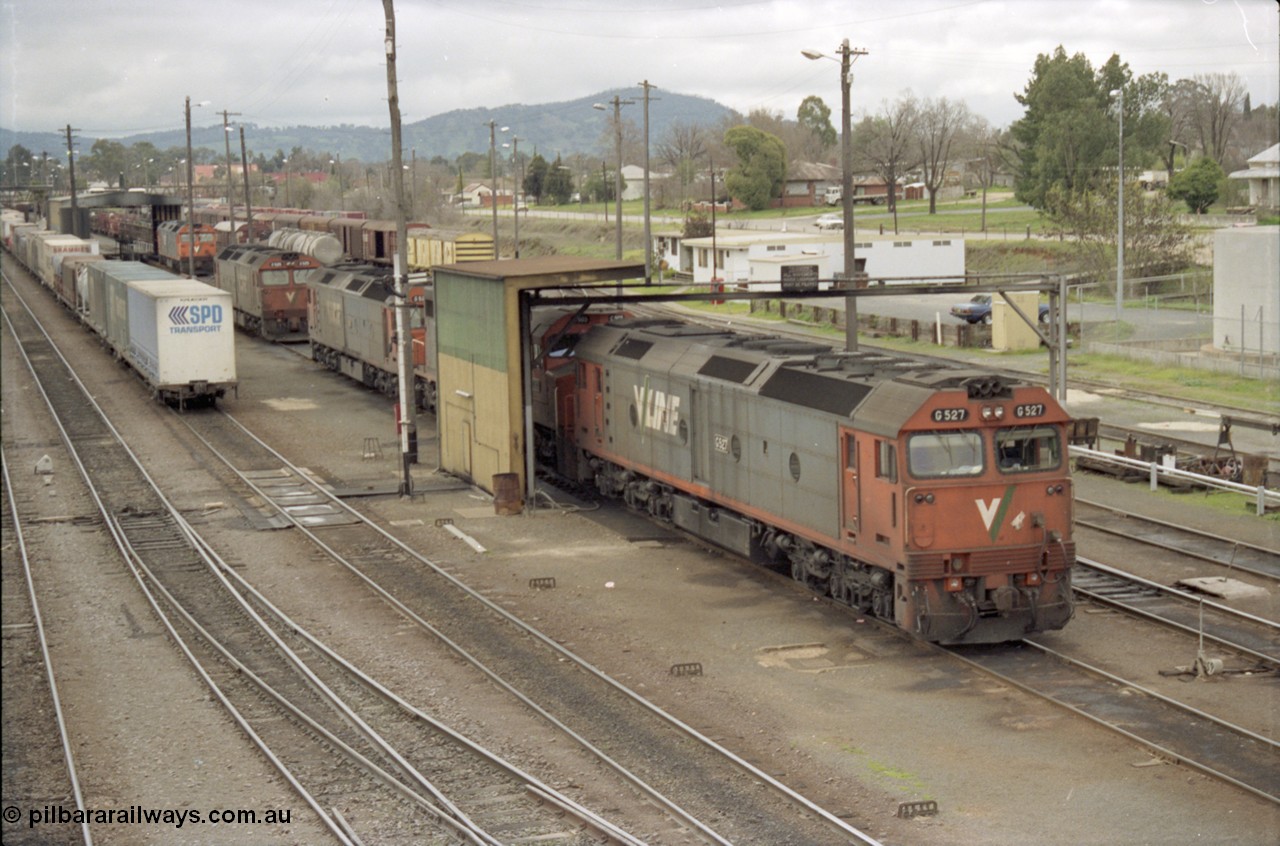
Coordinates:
938 499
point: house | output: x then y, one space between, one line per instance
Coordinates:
1263 176
751 258
807 182
479 194
633 181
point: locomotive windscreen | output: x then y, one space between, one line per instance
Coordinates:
815 390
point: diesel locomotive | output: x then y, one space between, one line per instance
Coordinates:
939 499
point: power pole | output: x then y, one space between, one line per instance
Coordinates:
71 165
404 346
231 202
648 238
493 179
248 204
191 202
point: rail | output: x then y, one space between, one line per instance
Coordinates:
1263 496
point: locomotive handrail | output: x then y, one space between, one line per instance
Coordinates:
1261 493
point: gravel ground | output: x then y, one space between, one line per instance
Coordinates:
837 708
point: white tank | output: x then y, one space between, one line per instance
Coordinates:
321 246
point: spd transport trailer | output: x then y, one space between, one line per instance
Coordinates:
176 332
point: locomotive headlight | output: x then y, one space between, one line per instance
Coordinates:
954 584
993 412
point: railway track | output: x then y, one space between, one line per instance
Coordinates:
668 763
1229 553
315 730
32 751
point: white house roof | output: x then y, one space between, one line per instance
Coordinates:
1265 165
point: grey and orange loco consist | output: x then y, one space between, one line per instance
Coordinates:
936 498
351 321
179 245
268 289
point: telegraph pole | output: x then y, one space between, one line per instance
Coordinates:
248 203
648 238
231 203
71 164
404 346
191 203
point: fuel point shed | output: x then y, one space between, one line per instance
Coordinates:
484 411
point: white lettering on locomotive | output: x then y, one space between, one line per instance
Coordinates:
658 410
988 511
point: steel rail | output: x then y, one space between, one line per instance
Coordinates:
119 541
550 643
38 623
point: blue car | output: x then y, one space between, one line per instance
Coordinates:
978 310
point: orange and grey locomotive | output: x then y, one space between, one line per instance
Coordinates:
936 498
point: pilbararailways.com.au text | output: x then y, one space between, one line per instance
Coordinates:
138 815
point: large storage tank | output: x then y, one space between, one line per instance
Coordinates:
321 246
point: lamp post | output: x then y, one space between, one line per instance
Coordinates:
847 57
1119 93
618 103
191 196
515 200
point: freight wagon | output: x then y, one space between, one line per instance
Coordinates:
175 332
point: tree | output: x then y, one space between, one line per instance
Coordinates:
559 183
761 168
1068 136
884 145
1216 110
814 116
938 124
535 177
682 149
1154 241
1197 184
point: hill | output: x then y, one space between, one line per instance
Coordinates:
566 127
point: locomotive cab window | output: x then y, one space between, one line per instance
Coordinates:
1026 449
275 277
938 454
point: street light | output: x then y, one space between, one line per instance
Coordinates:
847 57
515 201
1119 92
191 196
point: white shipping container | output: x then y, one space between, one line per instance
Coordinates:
181 332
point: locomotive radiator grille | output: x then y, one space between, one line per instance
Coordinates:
984 562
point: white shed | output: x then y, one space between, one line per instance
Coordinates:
1246 291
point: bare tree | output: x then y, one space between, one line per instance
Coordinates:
884 144
682 150
1178 106
1216 109
938 124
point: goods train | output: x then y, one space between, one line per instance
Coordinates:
267 289
175 332
938 499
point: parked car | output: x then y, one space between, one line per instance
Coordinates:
978 310
830 221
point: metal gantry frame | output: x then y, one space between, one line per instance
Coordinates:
613 293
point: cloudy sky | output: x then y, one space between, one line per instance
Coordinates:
118 67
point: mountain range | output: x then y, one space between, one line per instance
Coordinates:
562 128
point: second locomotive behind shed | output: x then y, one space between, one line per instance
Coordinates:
938 499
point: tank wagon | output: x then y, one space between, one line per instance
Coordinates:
176 245
267 289
938 499
351 321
